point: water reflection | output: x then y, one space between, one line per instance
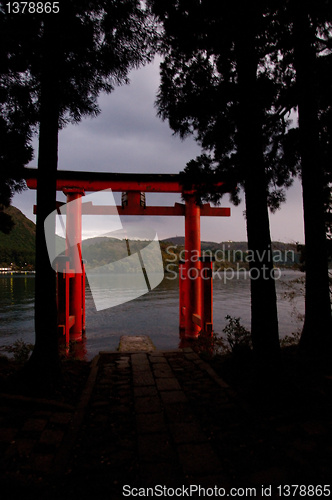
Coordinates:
16 308
154 314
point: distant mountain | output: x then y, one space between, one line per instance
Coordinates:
97 240
284 254
18 247
229 245
179 240
174 240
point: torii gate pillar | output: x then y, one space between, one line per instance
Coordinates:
192 247
74 239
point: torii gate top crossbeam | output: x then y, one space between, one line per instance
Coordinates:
118 182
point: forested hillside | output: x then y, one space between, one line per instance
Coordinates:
18 247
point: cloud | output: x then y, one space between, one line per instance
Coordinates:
128 136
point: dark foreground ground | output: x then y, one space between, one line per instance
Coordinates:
167 420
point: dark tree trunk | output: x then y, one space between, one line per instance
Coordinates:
316 339
264 319
45 357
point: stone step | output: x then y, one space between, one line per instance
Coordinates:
134 343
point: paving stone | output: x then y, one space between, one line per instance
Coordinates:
43 414
138 360
155 448
100 404
35 425
119 458
41 462
163 374
297 456
173 397
24 447
160 475
191 356
156 358
148 404
187 349
162 371
150 423
167 384
119 409
125 399
124 387
135 343
178 412
170 352
178 370
291 429
123 369
304 445
273 475
314 428
189 432
143 378
61 418
123 362
198 362
7 434
199 459
145 391
137 370
51 437
101 419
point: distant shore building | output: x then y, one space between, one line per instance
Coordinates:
4 270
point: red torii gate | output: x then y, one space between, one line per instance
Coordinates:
195 290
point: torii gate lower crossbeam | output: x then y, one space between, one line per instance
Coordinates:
195 276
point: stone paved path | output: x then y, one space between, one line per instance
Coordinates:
142 429
166 418
157 418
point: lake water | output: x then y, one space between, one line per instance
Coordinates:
155 314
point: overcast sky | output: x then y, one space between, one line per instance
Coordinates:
127 136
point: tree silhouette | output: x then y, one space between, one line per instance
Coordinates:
218 82
305 67
18 114
310 21
87 47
